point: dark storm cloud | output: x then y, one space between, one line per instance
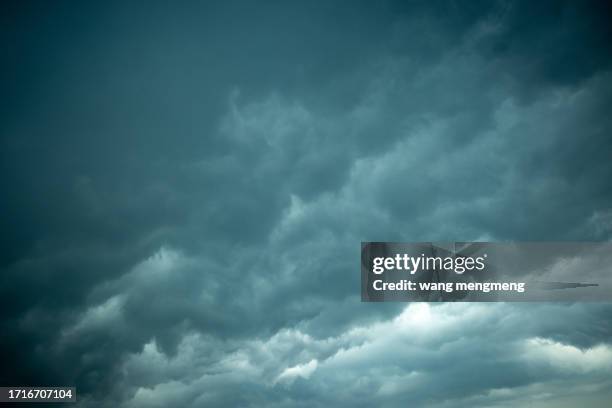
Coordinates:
185 188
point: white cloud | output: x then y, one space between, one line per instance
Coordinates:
567 357
301 370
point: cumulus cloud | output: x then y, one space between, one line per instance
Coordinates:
408 358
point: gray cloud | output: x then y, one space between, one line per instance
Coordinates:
186 189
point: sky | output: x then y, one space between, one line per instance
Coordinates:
185 187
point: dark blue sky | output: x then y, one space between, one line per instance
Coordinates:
185 188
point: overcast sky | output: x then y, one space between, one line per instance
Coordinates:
185 187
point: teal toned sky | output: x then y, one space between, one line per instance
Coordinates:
185 186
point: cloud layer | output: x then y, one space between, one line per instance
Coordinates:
186 188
